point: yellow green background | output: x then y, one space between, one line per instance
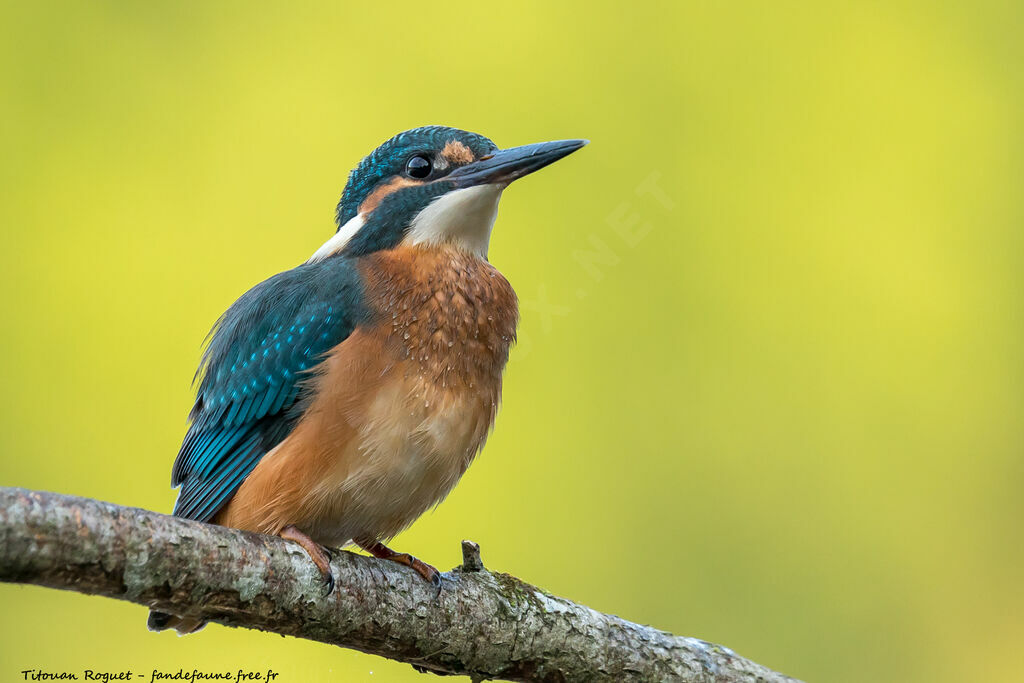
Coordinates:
776 404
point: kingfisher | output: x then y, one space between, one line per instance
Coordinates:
340 400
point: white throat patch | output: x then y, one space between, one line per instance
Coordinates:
461 217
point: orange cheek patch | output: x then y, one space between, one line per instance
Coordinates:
374 199
457 153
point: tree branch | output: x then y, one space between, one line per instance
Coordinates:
484 624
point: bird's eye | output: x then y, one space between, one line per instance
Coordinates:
418 167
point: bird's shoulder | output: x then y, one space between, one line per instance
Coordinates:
275 331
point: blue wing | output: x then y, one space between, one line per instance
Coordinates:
260 352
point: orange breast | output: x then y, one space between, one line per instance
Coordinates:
450 313
402 406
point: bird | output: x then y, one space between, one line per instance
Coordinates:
341 399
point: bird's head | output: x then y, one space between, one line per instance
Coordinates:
432 185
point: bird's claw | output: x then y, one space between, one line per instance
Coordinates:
319 554
328 579
381 551
428 572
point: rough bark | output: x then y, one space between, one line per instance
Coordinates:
484 624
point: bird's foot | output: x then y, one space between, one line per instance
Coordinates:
320 555
381 551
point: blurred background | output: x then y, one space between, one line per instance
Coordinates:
768 390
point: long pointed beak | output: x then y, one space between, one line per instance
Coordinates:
506 165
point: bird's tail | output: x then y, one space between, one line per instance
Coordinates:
161 621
